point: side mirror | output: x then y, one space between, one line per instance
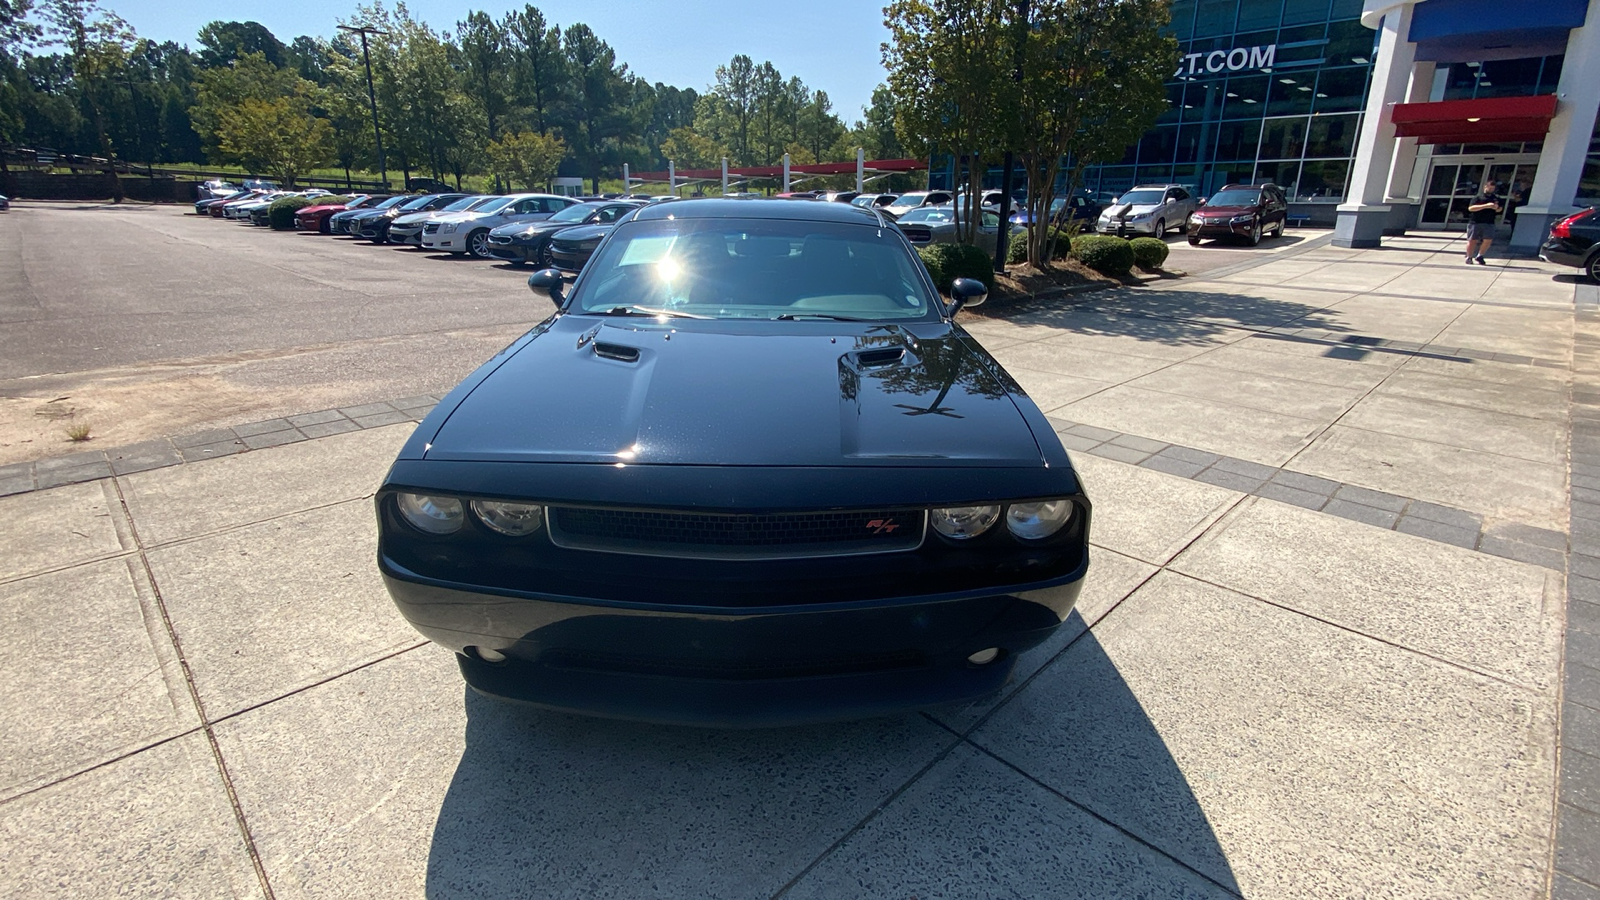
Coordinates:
966 292
549 281
1200 202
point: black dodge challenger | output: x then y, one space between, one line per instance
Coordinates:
750 473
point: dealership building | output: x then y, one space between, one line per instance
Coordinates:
1380 116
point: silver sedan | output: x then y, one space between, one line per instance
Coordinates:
937 225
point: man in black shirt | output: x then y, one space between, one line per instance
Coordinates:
1481 215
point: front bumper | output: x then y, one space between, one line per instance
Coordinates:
405 234
513 252
1128 227
759 668
1224 229
453 243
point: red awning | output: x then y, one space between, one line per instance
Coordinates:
871 166
1492 120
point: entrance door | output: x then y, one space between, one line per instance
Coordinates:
1453 181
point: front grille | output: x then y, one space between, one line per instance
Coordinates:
563 247
431 228
736 536
499 239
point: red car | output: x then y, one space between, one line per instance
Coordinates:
315 218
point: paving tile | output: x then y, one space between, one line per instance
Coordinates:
259 484
1582 646
1580 728
1060 424
1582 510
1172 466
1543 537
368 409
1230 480
1580 781
1586 566
107 685
1121 454
1491 615
973 827
1582 685
143 457
1528 553
1189 454
316 418
378 420
202 438
1446 515
413 402
229 595
1578 842
1365 497
1089 431
16 484
1274 754
1245 467
212 451
157 824
272 439
417 412
1583 616
394 781
1145 514
1285 494
1262 436
1139 443
1077 442
70 461
1301 482
266 427
1565 887
1438 531
326 429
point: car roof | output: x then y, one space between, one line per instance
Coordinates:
716 207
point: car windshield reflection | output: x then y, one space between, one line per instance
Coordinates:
756 269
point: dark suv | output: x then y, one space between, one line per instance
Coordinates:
1241 210
1575 241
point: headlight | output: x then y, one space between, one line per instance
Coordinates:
1038 520
1140 217
963 522
514 519
1241 220
447 228
435 515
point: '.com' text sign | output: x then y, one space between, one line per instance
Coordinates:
1218 61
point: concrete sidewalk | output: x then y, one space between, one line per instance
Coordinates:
1319 653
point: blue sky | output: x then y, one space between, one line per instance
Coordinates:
830 44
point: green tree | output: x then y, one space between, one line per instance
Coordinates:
98 42
538 65
277 137
221 43
526 158
484 57
876 131
250 77
689 149
598 116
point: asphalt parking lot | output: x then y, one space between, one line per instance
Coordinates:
1326 647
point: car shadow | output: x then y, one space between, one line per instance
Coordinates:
547 804
1571 278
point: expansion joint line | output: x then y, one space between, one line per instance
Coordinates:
194 696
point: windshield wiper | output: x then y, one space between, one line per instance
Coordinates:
647 311
790 317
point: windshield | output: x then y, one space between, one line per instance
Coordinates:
393 201
1235 198
930 214
1142 198
494 205
420 202
754 269
910 200
576 213
464 203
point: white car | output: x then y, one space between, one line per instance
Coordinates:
407 229
468 232
1151 209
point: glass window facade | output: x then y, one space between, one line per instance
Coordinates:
1263 90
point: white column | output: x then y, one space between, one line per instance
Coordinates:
1405 153
627 181
786 173
1362 218
724 175
672 179
1567 144
861 169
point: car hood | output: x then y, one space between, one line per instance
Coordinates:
630 391
1131 209
521 229
586 233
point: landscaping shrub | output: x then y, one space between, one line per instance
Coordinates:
1104 253
1017 250
947 262
1148 252
280 215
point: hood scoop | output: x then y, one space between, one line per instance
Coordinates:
877 359
618 352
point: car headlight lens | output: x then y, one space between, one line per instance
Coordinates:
1038 520
513 519
1241 220
447 228
435 515
964 522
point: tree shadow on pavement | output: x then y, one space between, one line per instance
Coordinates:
1179 317
552 805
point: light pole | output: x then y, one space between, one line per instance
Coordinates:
372 96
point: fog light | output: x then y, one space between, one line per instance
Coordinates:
490 656
435 515
984 657
963 522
